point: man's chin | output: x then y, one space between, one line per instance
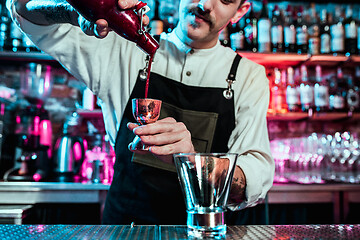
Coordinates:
197 31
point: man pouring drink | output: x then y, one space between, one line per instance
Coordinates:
212 101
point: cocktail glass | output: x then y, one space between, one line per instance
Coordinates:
205 179
145 111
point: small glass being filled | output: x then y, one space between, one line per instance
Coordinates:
205 179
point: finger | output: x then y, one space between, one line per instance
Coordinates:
165 138
169 149
133 149
146 20
125 4
101 28
160 127
131 126
168 119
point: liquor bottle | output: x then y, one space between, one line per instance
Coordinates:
237 36
156 25
321 91
278 92
351 33
125 22
292 93
353 91
277 31
264 26
324 33
314 32
224 36
28 45
16 37
306 90
301 32
358 30
337 91
337 32
289 31
4 28
251 31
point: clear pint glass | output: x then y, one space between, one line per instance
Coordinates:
205 179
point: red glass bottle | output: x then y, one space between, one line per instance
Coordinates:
126 22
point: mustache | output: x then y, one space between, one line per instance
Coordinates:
205 15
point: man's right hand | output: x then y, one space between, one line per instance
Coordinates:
101 28
47 12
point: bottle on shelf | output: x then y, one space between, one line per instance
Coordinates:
251 31
325 36
351 33
337 91
321 91
358 31
306 90
264 26
337 32
278 92
4 28
353 91
156 24
16 37
301 32
277 30
237 36
224 36
292 93
314 32
289 31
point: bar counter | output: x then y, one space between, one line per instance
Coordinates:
340 195
176 232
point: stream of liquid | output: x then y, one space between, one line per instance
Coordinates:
148 76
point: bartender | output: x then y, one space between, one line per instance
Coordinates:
213 101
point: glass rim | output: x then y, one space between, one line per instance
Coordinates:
153 99
203 154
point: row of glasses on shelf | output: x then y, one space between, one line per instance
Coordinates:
317 158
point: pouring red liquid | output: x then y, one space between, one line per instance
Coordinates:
126 23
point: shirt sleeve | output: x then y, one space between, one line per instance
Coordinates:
250 136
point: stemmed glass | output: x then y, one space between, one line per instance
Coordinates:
145 111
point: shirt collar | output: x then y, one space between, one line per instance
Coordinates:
172 37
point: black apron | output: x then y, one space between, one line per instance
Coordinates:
145 190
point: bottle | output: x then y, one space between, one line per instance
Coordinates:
264 26
278 92
16 37
277 31
353 91
306 90
337 33
126 22
156 25
224 37
301 33
321 91
237 36
292 93
351 33
337 91
289 31
358 30
314 32
251 31
324 33
4 29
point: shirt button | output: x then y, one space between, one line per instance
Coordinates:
188 73
191 51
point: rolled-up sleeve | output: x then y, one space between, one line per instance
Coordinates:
250 136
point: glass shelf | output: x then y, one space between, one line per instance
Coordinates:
326 116
25 56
